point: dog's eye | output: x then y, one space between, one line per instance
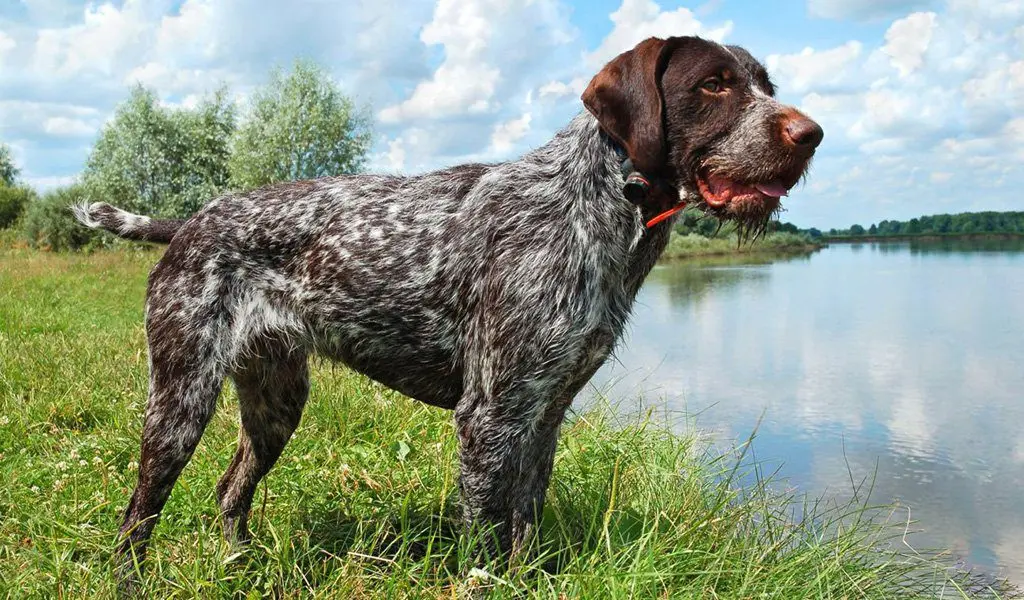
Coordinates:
712 84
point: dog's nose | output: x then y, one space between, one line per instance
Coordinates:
804 133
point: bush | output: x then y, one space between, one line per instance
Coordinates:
13 200
299 126
8 171
49 224
160 161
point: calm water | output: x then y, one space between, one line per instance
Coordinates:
908 356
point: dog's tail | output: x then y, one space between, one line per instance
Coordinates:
100 215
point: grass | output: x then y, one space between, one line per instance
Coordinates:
363 504
778 242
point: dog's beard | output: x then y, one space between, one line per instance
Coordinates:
751 218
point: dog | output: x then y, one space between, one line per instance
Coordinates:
494 290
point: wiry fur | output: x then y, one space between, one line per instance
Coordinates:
125 224
493 290
433 285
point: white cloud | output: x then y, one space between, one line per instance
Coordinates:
44 184
177 81
862 9
7 44
506 134
67 127
395 156
472 34
559 89
812 69
190 33
454 89
101 43
1015 129
51 12
941 176
637 20
49 118
907 40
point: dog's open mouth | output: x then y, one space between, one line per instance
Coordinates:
750 206
719 191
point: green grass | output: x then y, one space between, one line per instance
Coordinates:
363 503
779 242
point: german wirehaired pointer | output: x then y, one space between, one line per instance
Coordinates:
496 290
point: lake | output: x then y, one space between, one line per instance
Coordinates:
904 361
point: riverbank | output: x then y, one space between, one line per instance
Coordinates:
693 245
930 237
363 503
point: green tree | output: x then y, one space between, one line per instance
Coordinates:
873 230
300 126
13 201
50 225
8 172
161 161
856 230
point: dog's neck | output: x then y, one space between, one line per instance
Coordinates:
583 143
585 159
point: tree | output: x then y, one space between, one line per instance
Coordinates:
856 230
51 226
300 126
8 172
873 230
13 201
161 161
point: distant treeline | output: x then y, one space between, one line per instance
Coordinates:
939 225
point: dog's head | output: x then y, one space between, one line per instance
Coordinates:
704 118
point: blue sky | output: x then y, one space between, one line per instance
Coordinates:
922 101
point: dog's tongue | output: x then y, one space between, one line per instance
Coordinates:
774 189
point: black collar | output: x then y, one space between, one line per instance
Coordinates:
638 188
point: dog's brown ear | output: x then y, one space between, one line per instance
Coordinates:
624 97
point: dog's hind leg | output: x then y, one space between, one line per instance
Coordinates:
185 380
272 389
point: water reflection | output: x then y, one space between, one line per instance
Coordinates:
908 356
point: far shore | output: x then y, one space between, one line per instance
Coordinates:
929 237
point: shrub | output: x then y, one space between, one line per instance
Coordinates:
8 171
49 224
160 161
299 126
13 200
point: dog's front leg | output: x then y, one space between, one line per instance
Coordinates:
507 446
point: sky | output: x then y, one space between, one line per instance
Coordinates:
922 101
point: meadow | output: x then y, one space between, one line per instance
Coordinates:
364 501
